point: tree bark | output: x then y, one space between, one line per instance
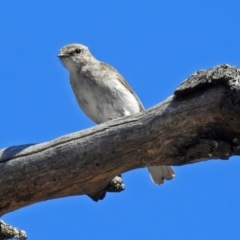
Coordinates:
200 121
9 232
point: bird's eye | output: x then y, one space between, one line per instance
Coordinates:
78 50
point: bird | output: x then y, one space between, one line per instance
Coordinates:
103 94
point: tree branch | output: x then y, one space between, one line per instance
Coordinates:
199 122
9 232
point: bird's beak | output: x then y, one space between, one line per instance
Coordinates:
62 55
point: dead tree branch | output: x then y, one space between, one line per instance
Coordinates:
9 232
200 121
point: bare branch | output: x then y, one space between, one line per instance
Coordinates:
9 232
199 122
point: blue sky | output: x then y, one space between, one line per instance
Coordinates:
155 45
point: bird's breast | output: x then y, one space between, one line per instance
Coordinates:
103 100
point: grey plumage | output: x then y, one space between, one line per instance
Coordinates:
103 94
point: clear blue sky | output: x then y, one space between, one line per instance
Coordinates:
155 45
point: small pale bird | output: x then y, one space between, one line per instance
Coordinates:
103 94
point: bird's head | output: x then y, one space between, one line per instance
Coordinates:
74 56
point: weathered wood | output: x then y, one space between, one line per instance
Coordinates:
200 121
9 232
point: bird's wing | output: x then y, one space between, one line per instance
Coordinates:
124 83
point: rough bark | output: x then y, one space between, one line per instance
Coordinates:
199 122
9 232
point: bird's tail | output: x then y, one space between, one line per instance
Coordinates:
159 173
